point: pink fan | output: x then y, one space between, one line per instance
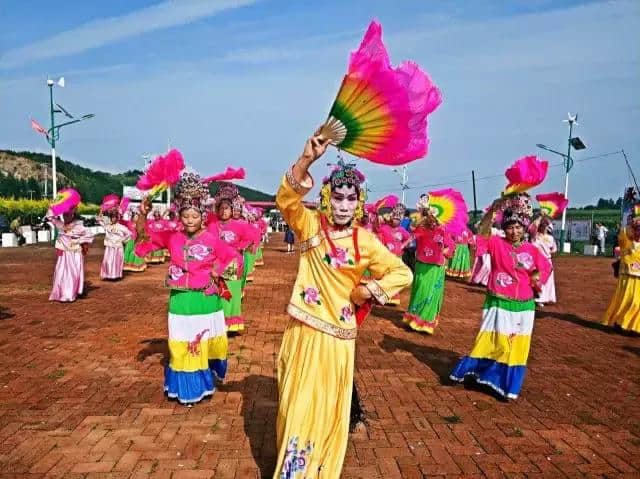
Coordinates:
163 172
552 204
450 209
388 201
228 175
124 204
66 200
380 112
524 174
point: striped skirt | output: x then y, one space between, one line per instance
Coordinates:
499 356
197 345
131 261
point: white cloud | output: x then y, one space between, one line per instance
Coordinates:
104 31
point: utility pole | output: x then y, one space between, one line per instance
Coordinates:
475 203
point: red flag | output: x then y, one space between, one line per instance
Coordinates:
37 127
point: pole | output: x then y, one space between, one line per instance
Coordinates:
53 143
630 170
45 180
475 203
566 187
404 181
168 188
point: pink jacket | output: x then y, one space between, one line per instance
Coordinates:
433 246
393 238
236 233
196 262
513 269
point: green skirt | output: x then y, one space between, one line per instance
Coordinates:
427 294
233 318
460 264
131 261
249 261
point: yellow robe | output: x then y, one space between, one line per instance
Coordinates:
624 309
316 359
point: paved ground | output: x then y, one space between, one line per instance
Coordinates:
81 386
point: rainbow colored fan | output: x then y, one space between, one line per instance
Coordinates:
381 112
450 209
552 204
162 173
65 201
524 174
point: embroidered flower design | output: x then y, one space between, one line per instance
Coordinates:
295 461
635 266
175 272
525 260
397 236
339 260
427 252
346 314
438 238
156 225
194 346
391 246
198 251
228 236
504 280
311 295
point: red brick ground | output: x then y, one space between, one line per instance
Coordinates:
81 386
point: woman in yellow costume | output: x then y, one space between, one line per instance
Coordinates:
316 359
624 310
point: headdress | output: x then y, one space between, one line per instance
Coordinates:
517 209
66 200
191 192
113 205
342 174
397 212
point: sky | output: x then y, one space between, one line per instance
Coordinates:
245 82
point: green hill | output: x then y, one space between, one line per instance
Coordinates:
22 175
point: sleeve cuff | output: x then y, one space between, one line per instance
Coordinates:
303 187
377 292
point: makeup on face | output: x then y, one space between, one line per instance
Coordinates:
344 201
225 211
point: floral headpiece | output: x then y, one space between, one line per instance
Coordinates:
398 211
517 209
191 192
226 191
237 203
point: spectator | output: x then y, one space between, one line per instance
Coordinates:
289 238
15 229
601 235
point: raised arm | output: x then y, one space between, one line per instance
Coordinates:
297 183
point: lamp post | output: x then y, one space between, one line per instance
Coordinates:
403 184
54 131
568 164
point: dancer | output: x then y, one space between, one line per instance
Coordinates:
115 235
133 262
316 359
498 358
72 243
624 310
460 263
238 235
251 253
433 247
159 256
394 237
199 261
542 239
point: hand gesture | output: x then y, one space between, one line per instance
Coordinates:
315 146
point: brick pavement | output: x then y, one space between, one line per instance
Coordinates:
81 386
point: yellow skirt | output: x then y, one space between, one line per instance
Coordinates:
624 309
315 382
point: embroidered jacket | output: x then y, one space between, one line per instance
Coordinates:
326 275
433 246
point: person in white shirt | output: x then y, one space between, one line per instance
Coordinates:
601 235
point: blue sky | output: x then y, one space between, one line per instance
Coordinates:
244 82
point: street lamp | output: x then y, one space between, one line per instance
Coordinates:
54 131
403 184
567 161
